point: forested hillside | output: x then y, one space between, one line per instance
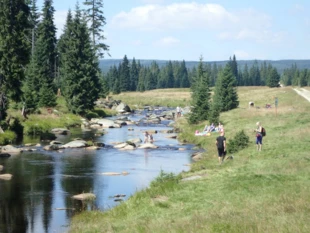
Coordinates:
280 65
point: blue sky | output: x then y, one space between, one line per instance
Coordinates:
185 30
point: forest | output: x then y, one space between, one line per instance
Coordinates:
35 66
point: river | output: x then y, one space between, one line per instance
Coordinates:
38 198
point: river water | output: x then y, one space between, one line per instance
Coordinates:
38 198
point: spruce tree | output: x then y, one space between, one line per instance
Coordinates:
79 67
14 48
41 72
225 94
184 80
134 75
94 15
124 75
200 95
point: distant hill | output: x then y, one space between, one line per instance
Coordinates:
280 65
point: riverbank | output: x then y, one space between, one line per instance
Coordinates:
265 191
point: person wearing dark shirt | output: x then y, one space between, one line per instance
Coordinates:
221 147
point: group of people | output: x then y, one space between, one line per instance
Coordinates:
221 142
212 127
148 137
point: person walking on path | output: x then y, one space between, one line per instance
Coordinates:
259 136
221 147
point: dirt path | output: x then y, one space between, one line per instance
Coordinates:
303 92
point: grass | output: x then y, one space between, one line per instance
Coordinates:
267 191
159 97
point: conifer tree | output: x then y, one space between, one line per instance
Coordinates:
94 15
134 75
79 67
225 94
124 75
184 80
273 77
200 95
14 48
41 72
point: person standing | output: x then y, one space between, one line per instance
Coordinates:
178 111
146 137
221 147
259 136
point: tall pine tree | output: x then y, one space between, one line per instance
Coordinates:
96 19
225 94
14 50
200 95
79 67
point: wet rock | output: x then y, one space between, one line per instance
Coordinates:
84 196
6 176
74 144
121 145
51 147
147 146
55 143
4 155
92 148
10 149
197 156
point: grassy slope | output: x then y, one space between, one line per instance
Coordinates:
266 191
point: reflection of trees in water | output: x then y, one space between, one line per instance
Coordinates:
23 193
76 181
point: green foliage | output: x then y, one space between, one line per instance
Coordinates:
14 46
79 66
239 142
94 15
164 178
7 137
200 96
47 96
225 94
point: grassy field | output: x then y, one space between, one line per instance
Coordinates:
267 191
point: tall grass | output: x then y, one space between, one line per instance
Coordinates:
267 191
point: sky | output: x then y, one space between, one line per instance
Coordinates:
214 30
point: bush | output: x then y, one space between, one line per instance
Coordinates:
7 137
239 142
164 177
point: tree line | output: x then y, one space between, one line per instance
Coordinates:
35 65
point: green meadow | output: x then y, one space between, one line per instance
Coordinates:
266 191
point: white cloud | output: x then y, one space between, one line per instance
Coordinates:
174 16
245 24
168 41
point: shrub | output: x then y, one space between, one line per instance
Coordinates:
239 142
7 137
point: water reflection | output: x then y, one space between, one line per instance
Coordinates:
39 196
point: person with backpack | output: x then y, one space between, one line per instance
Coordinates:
221 147
260 132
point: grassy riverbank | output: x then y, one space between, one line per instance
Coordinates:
267 191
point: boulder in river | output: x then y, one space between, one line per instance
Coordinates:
84 197
9 149
6 176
